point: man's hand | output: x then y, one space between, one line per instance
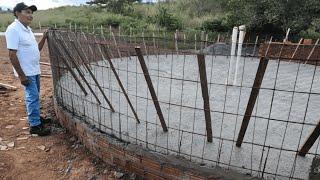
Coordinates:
15 63
43 40
24 80
45 34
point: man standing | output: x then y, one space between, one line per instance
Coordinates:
24 54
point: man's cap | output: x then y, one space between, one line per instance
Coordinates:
21 6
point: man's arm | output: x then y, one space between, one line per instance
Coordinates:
15 63
43 40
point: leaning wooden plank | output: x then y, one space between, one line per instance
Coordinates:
8 86
44 63
46 75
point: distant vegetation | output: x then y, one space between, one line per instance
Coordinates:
215 16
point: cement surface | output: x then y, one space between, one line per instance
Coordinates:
190 141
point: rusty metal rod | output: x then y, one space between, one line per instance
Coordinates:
205 94
151 88
119 82
296 50
316 132
70 70
79 72
116 44
312 50
310 141
263 63
93 77
252 100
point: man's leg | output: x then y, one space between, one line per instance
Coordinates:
38 83
43 120
32 101
33 106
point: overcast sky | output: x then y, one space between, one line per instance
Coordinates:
45 4
41 4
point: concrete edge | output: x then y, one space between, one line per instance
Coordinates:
136 159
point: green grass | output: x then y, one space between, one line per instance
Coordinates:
191 16
142 17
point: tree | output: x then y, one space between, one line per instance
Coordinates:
116 6
274 16
200 7
167 20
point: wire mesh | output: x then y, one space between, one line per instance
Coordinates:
120 100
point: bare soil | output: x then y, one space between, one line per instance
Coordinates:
58 156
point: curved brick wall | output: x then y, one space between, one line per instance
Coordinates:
135 159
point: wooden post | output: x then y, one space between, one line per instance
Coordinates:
101 28
151 88
255 46
218 39
130 35
296 50
195 42
201 41
116 44
205 95
154 43
144 43
40 26
206 43
176 40
312 50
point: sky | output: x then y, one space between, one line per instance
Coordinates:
41 4
45 4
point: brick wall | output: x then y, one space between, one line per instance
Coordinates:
134 158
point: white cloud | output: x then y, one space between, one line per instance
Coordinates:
41 4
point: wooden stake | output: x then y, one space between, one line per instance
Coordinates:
7 86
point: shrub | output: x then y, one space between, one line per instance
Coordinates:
217 25
167 20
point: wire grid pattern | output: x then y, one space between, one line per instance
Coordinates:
284 114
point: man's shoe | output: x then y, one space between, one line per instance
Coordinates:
40 130
45 120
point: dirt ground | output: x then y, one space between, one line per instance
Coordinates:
58 156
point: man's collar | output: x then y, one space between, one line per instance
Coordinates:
28 29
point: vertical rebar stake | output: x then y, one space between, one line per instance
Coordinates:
205 94
151 88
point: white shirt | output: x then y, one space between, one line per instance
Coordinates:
20 38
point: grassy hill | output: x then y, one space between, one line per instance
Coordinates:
214 16
141 16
